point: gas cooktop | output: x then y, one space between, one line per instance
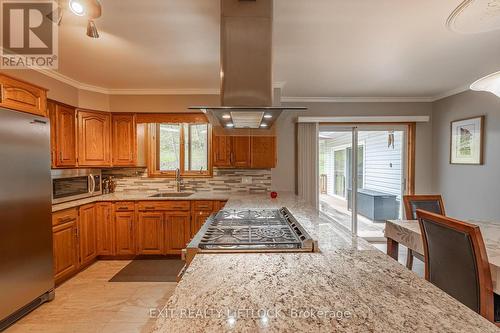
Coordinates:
253 231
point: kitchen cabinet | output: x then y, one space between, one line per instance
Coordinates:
124 140
219 205
87 234
250 152
221 146
263 152
22 96
105 229
150 230
125 233
65 244
63 135
94 138
201 210
177 231
241 151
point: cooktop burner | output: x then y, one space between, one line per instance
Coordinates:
253 230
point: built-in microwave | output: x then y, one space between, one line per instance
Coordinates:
73 184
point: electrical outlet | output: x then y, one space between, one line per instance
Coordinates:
246 180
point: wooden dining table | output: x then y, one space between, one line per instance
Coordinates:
407 233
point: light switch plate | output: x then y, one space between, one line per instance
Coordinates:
246 180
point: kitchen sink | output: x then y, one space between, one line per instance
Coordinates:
171 195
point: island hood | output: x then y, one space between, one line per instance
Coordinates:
246 66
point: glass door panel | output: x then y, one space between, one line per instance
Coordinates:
335 148
381 178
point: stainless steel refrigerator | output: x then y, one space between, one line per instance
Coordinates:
26 277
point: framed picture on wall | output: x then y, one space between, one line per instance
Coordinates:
467 139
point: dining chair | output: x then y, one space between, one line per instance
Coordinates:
456 262
430 203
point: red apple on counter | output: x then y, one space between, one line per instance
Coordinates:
274 195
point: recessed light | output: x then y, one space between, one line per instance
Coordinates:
263 125
230 125
226 116
268 116
77 7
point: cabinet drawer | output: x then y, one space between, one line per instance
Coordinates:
204 205
163 205
64 216
124 206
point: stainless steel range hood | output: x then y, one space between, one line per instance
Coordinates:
246 66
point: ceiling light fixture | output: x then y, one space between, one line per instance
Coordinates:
230 125
489 83
77 7
226 116
92 29
268 116
263 125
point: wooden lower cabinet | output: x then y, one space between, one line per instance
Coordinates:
65 249
198 219
105 229
87 234
177 231
150 230
125 233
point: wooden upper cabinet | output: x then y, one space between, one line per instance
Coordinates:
22 96
88 234
94 138
105 229
63 135
263 152
240 151
124 140
221 151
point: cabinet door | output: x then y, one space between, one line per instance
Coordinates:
22 96
124 232
263 152
124 140
87 234
176 231
221 151
105 229
94 144
219 205
240 151
64 134
150 233
198 219
65 247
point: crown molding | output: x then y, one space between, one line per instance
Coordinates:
276 85
451 93
286 99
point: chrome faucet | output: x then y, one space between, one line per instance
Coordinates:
178 180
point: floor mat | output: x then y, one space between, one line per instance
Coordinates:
157 270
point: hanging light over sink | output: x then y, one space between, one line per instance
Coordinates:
489 83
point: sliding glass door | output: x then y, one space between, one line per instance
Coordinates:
377 156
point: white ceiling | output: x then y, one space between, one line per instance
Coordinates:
322 48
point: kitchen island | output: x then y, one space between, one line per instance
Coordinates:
349 286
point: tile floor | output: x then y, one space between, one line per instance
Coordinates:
88 303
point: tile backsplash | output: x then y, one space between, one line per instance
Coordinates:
223 180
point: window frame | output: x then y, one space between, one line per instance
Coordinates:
154 152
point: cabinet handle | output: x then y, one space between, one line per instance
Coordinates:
1 93
149 207
65 220
60 156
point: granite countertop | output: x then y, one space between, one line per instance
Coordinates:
348 287
139 196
